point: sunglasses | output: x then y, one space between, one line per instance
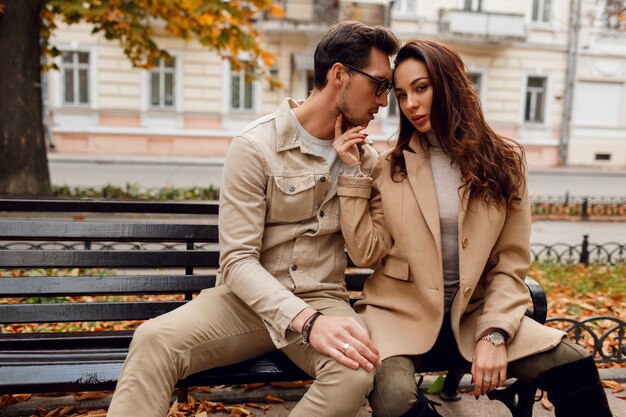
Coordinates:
382 85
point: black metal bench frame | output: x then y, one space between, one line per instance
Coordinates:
91 361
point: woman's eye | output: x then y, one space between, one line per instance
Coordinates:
400 96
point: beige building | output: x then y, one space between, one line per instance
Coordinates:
516 52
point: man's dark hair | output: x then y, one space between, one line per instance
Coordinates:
351 43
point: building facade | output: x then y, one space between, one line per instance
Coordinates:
517 54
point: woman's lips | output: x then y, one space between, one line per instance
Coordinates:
420 118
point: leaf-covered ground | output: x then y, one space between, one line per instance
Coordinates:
573 291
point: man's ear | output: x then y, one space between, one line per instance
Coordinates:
336 75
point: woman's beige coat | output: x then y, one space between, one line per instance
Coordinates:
394 226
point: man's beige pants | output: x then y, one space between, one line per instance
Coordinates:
218 329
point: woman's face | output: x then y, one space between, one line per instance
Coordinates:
414 92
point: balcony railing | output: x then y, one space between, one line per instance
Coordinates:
328 12
487 26
609 39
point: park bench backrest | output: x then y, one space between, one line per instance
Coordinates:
162 256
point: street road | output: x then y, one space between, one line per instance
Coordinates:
188 172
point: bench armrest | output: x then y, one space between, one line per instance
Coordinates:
539 312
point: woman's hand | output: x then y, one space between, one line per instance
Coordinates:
488 367
345 144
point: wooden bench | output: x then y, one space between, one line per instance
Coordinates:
129 249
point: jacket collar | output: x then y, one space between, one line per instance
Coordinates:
286 128
420 177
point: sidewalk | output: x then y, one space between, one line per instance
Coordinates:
466 407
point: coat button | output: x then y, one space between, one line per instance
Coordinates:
464 242
322 179
467 292
292 188
321 214
294 267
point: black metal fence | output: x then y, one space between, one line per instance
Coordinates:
586 253
603 336
583 207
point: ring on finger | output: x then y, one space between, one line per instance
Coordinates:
345 348
487 378
343 139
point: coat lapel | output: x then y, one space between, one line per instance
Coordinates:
420 177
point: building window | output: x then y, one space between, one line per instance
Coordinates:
405 7
473 5
616 14
534 110
162 83
541 11
75 68
241 92
477 81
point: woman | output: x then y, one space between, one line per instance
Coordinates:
445 218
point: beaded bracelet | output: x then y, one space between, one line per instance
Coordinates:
308 325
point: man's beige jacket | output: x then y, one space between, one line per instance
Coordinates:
280 239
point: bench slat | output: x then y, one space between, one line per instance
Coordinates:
67 312
119 232
107 258
103 285
102 375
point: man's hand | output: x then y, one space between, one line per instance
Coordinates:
330 334
345 144
488 367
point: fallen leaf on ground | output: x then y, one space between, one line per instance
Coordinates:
262 407
545 402
80 396
292 384
271 398
614 385
239 411
249 387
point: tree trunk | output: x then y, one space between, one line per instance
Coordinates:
23 159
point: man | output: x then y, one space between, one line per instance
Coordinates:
282 254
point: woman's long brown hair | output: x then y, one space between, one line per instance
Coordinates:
491 165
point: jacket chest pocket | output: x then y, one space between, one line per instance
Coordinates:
291 198
396 268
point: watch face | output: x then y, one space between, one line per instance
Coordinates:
496 338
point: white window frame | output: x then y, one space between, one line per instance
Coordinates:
476 6
161 69
551 13
146 87
546 104
400 9
256 93
56 80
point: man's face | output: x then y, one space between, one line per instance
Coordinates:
358 102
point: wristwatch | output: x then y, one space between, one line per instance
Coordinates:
495 337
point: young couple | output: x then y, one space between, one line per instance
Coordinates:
444 217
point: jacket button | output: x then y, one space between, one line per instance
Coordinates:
321 214
467 292
292 188
464 242
294 267
322 179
